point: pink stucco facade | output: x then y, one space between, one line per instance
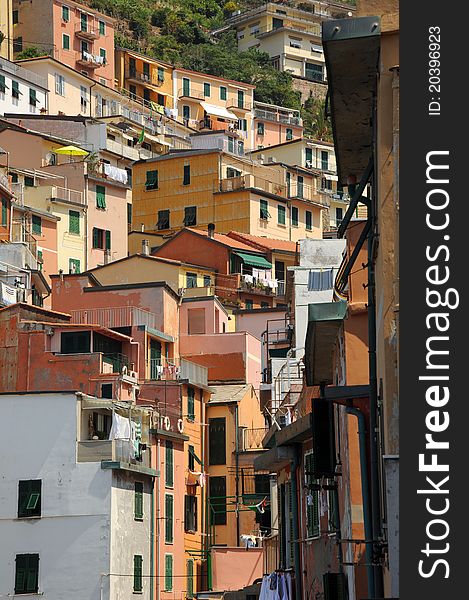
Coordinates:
235 568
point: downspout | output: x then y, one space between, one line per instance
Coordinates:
237 473
367 521
152 538
295 517
158 520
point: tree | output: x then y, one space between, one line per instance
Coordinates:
314 120
31 52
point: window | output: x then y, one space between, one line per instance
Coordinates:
217 441
339 214
59 84
75 342
281 213
74 221
260 129
29 498
289 133
242 124
108 240
32 97
169 464
3 85
207 90
190 579
73 266
27 573
264 209
84 21
65 41
196 321
100 197
324 160
186 86
28 181
4 220
106 391
190 513
191 280
133 91
102 28
230 148
168 572
309 157
248 304
190 216
294 216
207 281
223 92
138 501
18 44
186 112
138 573
314 72
102 54
240 99
240 148
37 225
160 74
312 499
309 220
129 213
168 513
65 14
264 305
217 500
83 97
15 17
152 180
300 186
163 219
191 403
98 238
187 175
15 89
191 459
295 43
333 510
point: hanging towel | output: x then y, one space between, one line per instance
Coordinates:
120 429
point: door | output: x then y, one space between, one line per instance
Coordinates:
155 359
132 67
186 87
84 22
280 276
240 99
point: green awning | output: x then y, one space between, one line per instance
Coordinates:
254 261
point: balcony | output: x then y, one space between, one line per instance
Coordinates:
255 285
308 29
143 78
114 363
290 118
119 316
251 439
91 61
87 31
164 369
298 191
61 194
241 106
129 152
17 189
111 450
252 181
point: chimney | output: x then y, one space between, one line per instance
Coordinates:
107 256
145 247
211 230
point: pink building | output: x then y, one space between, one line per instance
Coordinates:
275 125
74 34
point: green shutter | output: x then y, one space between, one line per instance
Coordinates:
100 196
108 240
40 260
281 214
65 41
309 220
26 573
95 237
37 225
74 221
312 508
73 265
102 28
168 572
222 92
264 209
294 216
169 464
29 498
2 84
207 90
65 13
169 505
191 403
152 180
4 212
138 573
138 503
190 579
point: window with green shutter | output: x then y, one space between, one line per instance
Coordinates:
100 196
65 14
37 224
29 498
129 213
191 459
73 266
160 74
312 498
223 93
15 89
4 212
28 181
152 180
74 222
294 216
186 86
207 90
309 157
32 97
300 186
138 501
240 99
333 509
138 572
102 54
169 464
40 260
309 220
191 403
281 213
3 86
190 579
65 41
102 28
98 238
168 572
169 518
108 240
264 210
289 134
26 573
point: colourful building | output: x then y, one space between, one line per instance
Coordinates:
275 125
6 27
74 34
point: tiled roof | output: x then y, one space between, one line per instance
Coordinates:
229 393
228 241
263 243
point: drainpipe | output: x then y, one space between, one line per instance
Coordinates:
296 529
366 497
158 521
237 473
152 537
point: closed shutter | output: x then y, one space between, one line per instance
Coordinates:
323 438
29 498
26 573
4 212
138 573
96 237
190 579
108 240
289 502
73 221
169 464
334 586
138 500
309 220
190 403
37 225
74 265
312 499
168 572
217 441
101 196
169 505
3 86
190 513
217 502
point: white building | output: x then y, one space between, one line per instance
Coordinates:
21 90
74 509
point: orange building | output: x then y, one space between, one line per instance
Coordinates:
72 33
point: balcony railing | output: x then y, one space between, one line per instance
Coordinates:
62 194
278 117
115 450
129 152
93 61
119 316
256 285
114 362
143 78
251 439
314 29
173 369
236 105
20 233
252 181
88 31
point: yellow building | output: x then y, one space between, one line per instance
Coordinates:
236 428
6 28
199 187
145 78
290 36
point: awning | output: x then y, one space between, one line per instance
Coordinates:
352 89
218 111
254 261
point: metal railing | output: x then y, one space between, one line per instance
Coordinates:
119 316
20 233
251 439
252 181
314 29
163 369
66 195
17 190
278 117
142 77
90 31
234 103
258 286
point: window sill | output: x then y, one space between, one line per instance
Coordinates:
282 225
138 593
138 519
31 518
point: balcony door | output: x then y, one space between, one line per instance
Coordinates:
155 358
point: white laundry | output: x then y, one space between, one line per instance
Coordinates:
116 173
120 429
